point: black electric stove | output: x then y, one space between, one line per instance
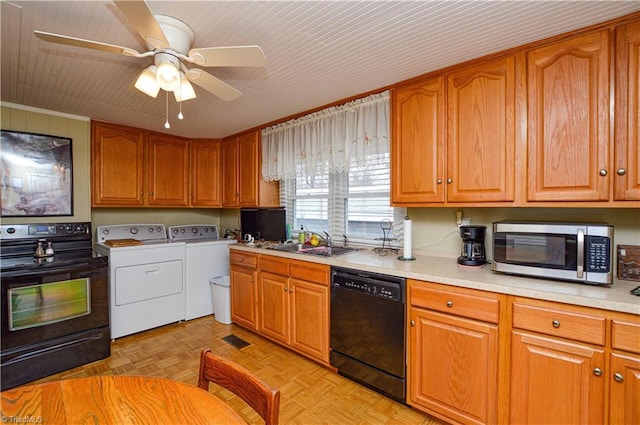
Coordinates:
55 301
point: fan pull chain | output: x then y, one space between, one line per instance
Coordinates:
180 116
166 124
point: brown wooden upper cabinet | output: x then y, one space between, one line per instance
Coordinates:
568 120
118 165
461 150
242 184
418 142
136 168
481 132
168 171
627 122
205 160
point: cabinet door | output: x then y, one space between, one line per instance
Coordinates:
229 153
453 366
168 179
248 172
481 133
417 146
568 124
244 296
274 306
117 165
205 173
627 160
625 389
555 381
310 318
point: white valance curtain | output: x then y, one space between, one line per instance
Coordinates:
327 140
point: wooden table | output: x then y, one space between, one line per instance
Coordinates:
115 400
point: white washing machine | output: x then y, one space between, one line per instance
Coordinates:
146 277
206 256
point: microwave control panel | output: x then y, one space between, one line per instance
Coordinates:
598 254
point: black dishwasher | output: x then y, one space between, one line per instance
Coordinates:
368 335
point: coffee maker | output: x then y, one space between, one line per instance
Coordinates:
473 252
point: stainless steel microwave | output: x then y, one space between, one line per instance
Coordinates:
566 251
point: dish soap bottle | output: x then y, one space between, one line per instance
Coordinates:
301 235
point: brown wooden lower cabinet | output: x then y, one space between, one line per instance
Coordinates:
244 289
292 306
453 353
574 364
555 381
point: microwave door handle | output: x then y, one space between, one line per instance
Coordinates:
580 254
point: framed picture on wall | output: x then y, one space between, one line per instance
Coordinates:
37 179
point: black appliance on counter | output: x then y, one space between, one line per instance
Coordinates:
473 249
55 301
264 223
368 336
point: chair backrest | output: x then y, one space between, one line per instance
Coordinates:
240 381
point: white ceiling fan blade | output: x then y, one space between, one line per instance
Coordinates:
142 19
213 85
79 42
228 56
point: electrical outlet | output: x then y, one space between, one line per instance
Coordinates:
459 218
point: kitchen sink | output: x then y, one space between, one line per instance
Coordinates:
324 251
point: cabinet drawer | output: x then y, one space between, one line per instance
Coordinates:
572 325
455 302
272 264
243 259
625 336
310 272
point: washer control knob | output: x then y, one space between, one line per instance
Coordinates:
133 230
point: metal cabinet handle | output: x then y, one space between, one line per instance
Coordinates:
603 172
439 181
449 304
621 171
449 181
141 193
618 377
555 324
597 371
291 289
413 323
286 289
151 193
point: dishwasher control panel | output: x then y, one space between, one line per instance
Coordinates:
383 286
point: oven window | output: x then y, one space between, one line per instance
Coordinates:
548 250
39 305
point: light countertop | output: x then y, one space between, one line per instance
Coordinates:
444 270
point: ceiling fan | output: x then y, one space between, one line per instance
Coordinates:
170 42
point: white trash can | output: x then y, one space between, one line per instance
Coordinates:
221 290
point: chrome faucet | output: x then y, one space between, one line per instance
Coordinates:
326 238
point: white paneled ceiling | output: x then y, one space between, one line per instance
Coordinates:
317 52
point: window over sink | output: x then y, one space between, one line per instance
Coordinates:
334 170
352 203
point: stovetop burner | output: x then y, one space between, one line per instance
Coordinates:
71 243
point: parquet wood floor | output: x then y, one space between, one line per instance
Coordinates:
310 394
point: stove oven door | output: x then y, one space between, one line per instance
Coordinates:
53 319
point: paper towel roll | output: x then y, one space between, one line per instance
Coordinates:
406 251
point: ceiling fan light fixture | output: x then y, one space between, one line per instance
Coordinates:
147 82
185 91
168 76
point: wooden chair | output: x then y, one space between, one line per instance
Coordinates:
240 381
